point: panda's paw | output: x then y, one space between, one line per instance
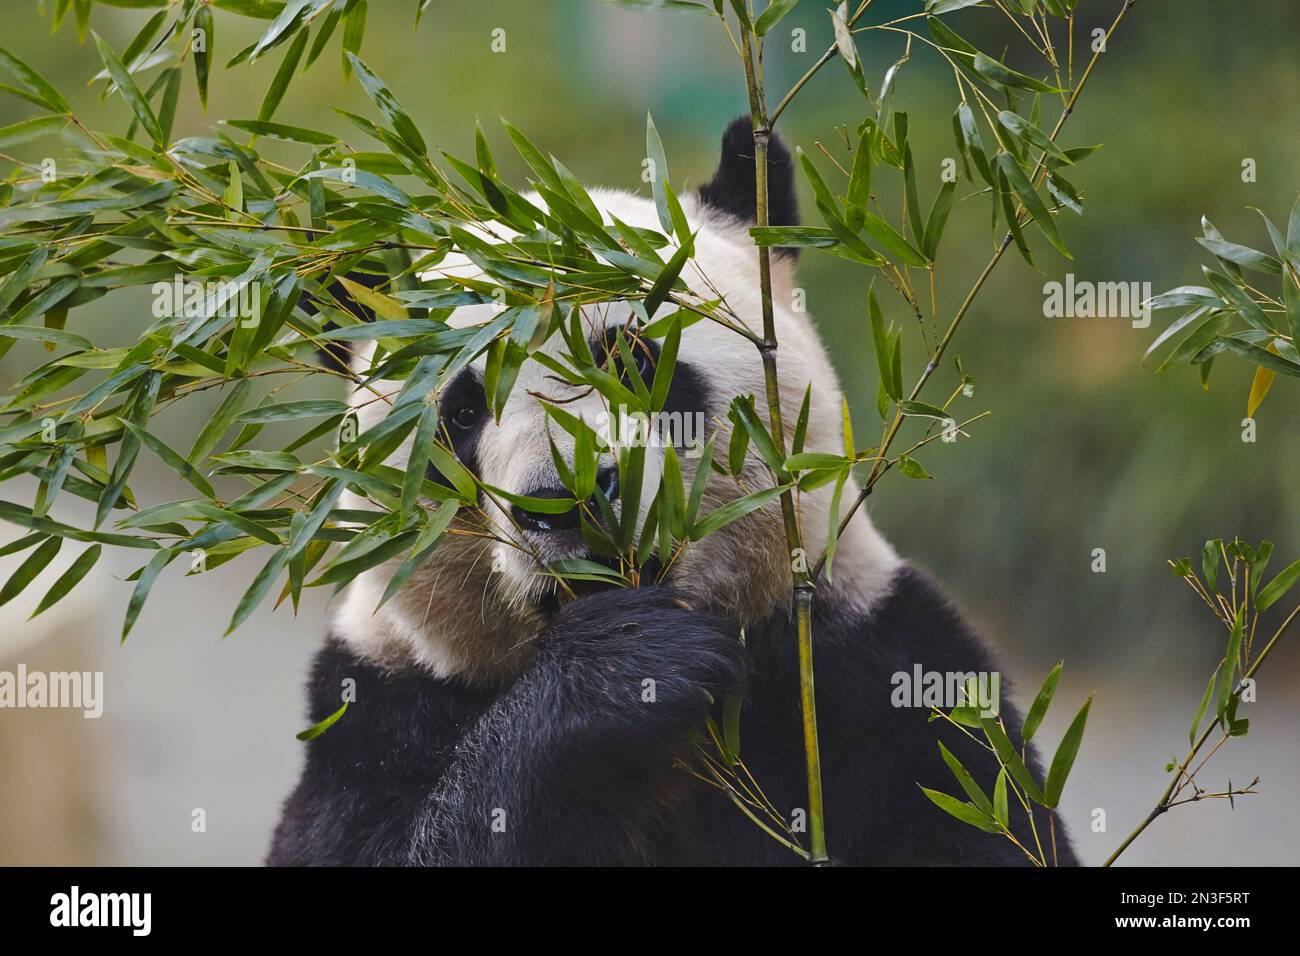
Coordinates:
647 658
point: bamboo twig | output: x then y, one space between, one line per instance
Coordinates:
1167 801
966 304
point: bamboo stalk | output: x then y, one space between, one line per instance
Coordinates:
802 596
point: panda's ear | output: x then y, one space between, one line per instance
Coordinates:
731 190
336 355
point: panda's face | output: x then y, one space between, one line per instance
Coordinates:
466 608
516 451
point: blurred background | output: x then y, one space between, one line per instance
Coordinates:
1085 448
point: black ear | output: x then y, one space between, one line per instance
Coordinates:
336 355
731 189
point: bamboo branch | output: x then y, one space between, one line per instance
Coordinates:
802 588
965 306
822 60
1167 800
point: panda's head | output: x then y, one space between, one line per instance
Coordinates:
473 608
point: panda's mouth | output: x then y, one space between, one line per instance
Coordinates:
554 597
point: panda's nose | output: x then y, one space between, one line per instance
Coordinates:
606 481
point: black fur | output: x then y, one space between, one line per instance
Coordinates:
732 188
584 769
688 392
338 355
465 391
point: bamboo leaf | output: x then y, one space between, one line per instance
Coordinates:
221 419
17 282
892 241
1200 710
203 57
69 578
383 97
425 544
280 83
1242 255
742 411
911 467
32 565
354 31
143 584
844 35
938 218
936 7
30 129
833 522
294 134
1043 700
659 178
966 781
170 458
1259 388
965 812
315 730
426 432
1002 77
663 285
1032 201
1000 799
260 586
733 511
1011 759
701 480
881 341
34 83
859 188
1273 592
770 17
130 92
1065 754
1026 131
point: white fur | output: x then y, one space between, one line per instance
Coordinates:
457 617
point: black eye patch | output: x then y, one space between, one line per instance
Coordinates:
687 395
644 352
462 413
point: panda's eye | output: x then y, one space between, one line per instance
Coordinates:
466 417
645 365
643 352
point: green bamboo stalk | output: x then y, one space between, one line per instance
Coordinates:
802 596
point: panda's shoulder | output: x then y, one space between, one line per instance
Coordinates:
913 620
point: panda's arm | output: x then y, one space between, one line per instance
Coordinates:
571 764
574 763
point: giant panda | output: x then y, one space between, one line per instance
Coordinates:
495 725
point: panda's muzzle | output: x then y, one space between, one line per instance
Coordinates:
536 521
